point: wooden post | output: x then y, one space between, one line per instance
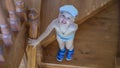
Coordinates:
33 33
33 23
14 20
31 53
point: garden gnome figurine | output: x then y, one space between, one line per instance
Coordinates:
65 28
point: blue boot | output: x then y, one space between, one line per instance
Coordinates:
69 55
60 55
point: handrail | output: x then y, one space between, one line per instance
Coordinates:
18 49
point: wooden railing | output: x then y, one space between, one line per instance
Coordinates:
19 47
34 31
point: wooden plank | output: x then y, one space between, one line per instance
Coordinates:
51 65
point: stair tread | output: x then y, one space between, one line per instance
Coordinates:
63 65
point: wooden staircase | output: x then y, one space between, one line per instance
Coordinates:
86 55
95 41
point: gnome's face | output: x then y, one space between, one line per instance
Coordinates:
65 18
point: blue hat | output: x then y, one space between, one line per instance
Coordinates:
70 9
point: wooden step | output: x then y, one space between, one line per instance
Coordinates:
51 65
